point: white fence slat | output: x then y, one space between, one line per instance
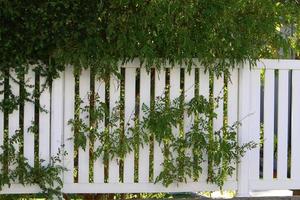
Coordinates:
83 155
13 118
189 93
204 90
218 93
174 91
130 74
57 114
160 81
98 163
268 150
29 118
282 124
295 137
114 99
243 137
69 111
144 152
232 104
44 122
254 134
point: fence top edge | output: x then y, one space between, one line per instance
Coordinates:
281 64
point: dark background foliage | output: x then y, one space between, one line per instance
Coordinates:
101 33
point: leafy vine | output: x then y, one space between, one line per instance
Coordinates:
183 152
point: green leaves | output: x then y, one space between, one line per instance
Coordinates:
17 169
99 34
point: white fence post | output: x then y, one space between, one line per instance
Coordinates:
243 131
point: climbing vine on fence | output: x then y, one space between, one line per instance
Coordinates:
183 152
16 168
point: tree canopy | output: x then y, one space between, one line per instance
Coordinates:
99 34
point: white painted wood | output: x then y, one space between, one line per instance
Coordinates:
114 99
98 163
69 113
282 64
254 134
275 184
204 90
160 81
13 118
269 95
144 151
57 114
244 110
44 122
29 118
189 93
145 187
295 138
232 105
83 154
204 83
282 124
218 94
130 74
175 91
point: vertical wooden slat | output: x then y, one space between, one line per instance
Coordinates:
232 104
130 74
98 164
114 99
83 155
218 93
69 109
269 95
160 80
57 114
233 98
175 91
29 119
189 93
282 124
144 151
295 149
255 122
44 122
243 131
204 91
13 120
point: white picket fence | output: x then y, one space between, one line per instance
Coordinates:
254 97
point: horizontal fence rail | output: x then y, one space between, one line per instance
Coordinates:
265 98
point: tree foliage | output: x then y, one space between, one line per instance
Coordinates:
99 34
